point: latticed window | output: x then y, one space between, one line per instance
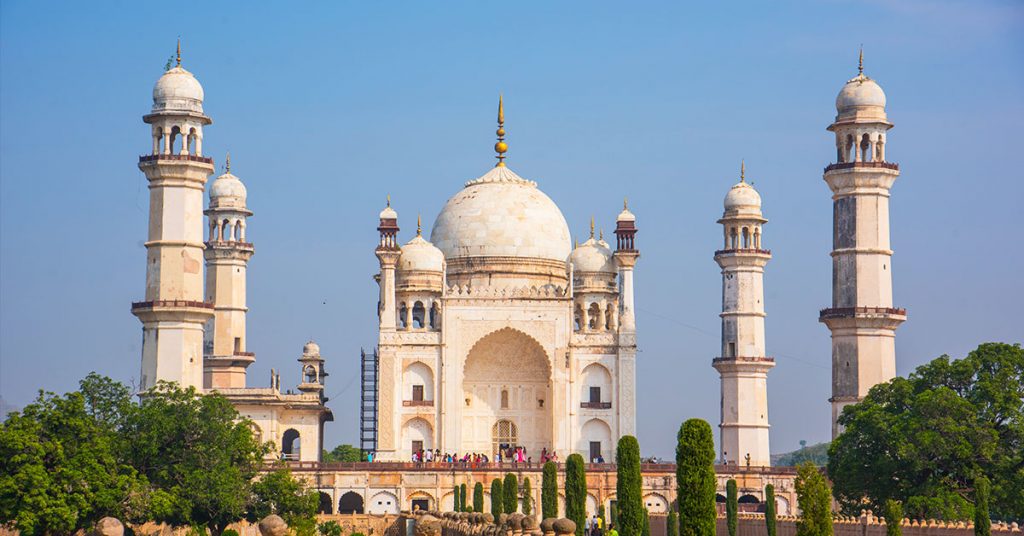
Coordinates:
505 435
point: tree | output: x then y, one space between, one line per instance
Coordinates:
329 528
576 492
815 501
343 454
672 523
628 486
456 507
510 494
277 492
893 518
462 497
982 522
932 433
478 497
527 497
496 501
646 529
615 515
731 507
600 515
199 450
549 491
695 478
769 509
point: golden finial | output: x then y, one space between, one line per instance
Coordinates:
419 225
591 227
227 163
501 147
179 52
625 203
860 62
601 235
743 171
389 200
577 243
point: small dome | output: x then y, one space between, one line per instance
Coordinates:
311 348
227 188
858 93
743 198
388 213
420 255
593 256
625 215
178 90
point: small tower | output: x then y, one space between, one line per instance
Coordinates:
313 372
862 318
227 258
387 253
742 365
173 312
626 256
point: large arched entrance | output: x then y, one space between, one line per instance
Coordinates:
507 390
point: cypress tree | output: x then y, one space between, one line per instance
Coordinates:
478 497
731 506
646 529
527 497
510 494
814 498
627 486
893 518
549 491
456 507
576 492
496 498
672 524
695 478
982 521
769 509
615 515
462 497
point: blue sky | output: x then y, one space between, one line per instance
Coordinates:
328 107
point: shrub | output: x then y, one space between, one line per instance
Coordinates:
496 501
456 507
549 491
628 486
327 528
478 497
893 518
814 498
730 506
982 522
695 478
462 497
510 494
527 497
769 509
576 492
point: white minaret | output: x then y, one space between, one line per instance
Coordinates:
626 254
174 312
862 318
227 259
743 365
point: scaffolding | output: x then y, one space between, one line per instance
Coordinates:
368 405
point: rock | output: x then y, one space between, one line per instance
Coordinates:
273 525
428 525
565 526
109 526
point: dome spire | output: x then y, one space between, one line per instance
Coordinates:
501 147
178 55
591 227
419 225
227 163
860 61
389 200
743 170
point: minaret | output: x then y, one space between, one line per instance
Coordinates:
743 365
313 372
862 318
227 258
626 256
173 313
387 253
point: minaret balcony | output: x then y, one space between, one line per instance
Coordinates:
850 312
743 359
171 304
865 165
175 157
230 244
596 405
734 251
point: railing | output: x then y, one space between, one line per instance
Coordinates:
418 403
178 157
244 354
851 165
229 244
646 467
841 312
596 405
171 303
745 359
744 250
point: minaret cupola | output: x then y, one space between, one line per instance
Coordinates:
313 372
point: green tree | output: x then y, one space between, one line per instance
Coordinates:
549 491
615 515
527 497
731 506
769 509
646 529
496 501
59 469
199 450
982 522
815 501
462 497
628 486
329 528
478 497
576 492
600 515
456 507
931 434
695 478
672 523
893 518
278 492
343 454
817 453
510 494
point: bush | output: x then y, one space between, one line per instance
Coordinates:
229 532
982 522
510 494
462 497
496 501
327 528
478 497
576 492
769 509
456 507
731 506
893 518
672 524
814 498
549 491
695 478
628 486
527 497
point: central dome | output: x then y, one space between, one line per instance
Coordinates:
502 215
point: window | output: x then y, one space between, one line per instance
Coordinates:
504 399
417 393
417 446
238 344
595 451
595 395
732 350
504 435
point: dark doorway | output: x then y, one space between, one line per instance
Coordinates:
421 504
417 393
350 503
595 450
326 504
595 395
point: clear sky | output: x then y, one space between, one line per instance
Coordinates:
327 107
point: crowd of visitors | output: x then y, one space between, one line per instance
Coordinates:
513 455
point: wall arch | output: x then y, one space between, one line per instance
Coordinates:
326 504
418 373
595 430
656 503
417 429
596 375
782 506
383 502
350 503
